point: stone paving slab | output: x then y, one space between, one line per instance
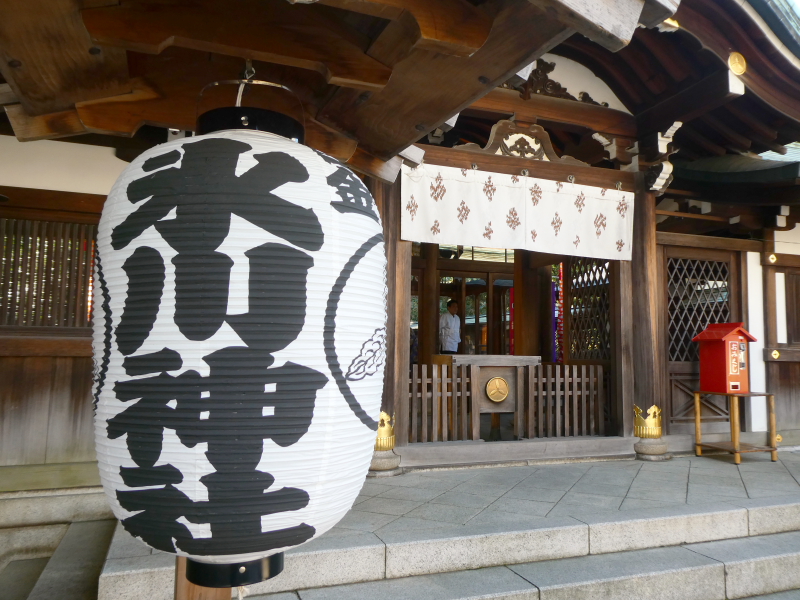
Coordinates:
657 574
678 524
497 583
416 513
756 565
421 552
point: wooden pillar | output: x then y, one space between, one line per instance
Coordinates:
648 350
382 193
398 306
184 590
622 332
429 306
546 315
526 306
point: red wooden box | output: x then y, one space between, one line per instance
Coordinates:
724 362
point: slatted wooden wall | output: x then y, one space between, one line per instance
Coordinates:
46 273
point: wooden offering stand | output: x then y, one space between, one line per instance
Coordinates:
735 447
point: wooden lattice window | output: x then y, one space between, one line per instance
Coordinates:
698 295
589 329
46 273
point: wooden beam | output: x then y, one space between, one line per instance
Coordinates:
447 26
787 194
367 164
168 97
464 159
600 119
7 95
657 11
693 102
44 346
43 127
610 23
704 241
685 215
275 32
751 122
428 88
49 60
50 205
686 132
736 139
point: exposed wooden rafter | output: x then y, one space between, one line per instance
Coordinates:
49 60
426 88
447 26
276 32
769 75
695 101
595 118
734 138
610 23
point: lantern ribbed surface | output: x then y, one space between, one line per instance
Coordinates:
239 338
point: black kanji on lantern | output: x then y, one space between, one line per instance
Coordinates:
243 400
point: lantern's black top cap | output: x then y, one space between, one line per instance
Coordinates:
245 117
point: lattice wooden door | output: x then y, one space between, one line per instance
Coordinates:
587 319
589 304
702 287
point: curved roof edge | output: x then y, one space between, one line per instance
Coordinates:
783 17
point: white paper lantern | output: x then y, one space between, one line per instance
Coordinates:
240 313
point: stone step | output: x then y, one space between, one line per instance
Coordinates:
46 507
72 572
348 556
788 595
19 577
738 568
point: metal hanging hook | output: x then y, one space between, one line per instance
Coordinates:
249 74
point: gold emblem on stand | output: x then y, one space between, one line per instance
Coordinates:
497 389
649 427
737 63
385 439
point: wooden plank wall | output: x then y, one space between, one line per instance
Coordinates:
46 412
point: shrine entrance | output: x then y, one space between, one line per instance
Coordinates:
557 364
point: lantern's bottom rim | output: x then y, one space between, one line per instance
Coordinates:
233 574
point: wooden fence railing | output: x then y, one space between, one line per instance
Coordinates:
439 401
564 401
556 401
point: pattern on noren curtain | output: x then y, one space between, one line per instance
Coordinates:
445 205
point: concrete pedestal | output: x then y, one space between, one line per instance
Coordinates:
384 464
651 449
